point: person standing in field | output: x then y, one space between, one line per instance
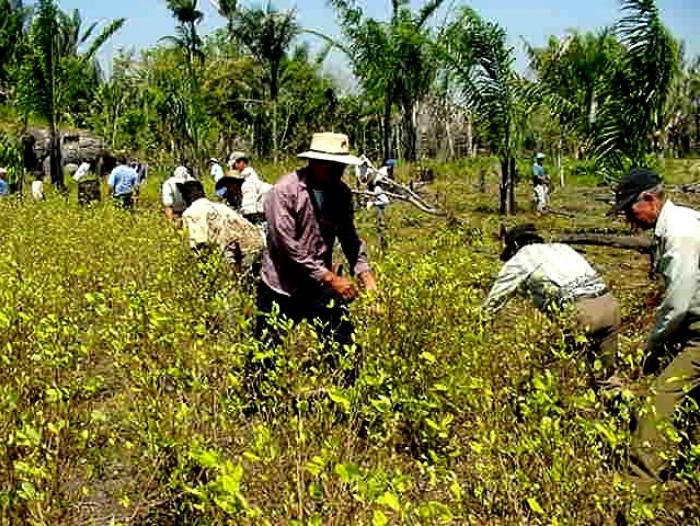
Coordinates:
253 190
216 171
173 203
124 184
82 171
673 346
306 212
215 224
4 185
38 188
557 278
540 184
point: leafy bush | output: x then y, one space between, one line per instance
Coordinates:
123 396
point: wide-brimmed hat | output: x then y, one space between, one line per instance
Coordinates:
631 186
333 147
228 179
517 237
3 171
214 160
539 155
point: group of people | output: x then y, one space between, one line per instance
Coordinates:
308 210
559 278
291 229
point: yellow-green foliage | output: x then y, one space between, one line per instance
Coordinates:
122 392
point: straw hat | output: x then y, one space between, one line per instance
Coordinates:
333 147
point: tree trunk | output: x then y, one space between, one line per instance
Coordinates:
387 129
505 208
55 161
274 131
409 133
560 166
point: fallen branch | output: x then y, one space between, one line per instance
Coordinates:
638 243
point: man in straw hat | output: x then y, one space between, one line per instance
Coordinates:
557 277
306 211
673 346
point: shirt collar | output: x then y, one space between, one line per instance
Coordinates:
664 217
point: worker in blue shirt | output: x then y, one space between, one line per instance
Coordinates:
4 186
124 184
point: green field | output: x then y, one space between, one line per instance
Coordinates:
121 387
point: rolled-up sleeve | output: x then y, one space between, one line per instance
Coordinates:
282 235
354 248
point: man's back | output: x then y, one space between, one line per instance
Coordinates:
551 272
123 180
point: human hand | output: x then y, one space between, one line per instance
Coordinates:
343 287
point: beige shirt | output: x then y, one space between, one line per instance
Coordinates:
210 223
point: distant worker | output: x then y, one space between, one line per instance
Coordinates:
173 203
557 277
82 171
378 202
123 183
4 185
215 224
306 211
540 184
216 171
673 346
38 188
253 189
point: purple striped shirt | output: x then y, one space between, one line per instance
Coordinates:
301 234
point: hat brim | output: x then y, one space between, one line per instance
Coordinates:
347 159
227 179
620 206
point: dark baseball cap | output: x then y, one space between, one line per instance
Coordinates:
630 187
517 237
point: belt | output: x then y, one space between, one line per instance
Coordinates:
594 295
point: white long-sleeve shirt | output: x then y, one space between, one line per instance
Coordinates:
552 273
677 247
253 192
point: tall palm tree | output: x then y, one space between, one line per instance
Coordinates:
44 75
482 62
267 34
635 97
13 17
394 60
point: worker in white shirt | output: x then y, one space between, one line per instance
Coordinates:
674 342
253 189
38 188
216 171
173 202
82 171
558 278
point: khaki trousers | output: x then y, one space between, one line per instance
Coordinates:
651 447
600 318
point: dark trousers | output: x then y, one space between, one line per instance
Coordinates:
328 315
124 201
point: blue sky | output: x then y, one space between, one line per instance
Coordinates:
534 20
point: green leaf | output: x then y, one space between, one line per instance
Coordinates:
379 519
390 500
535 506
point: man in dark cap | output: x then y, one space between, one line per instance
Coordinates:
675 338
557 277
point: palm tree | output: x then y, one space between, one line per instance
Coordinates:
267 34
482 62
45 76
631 115
394 61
